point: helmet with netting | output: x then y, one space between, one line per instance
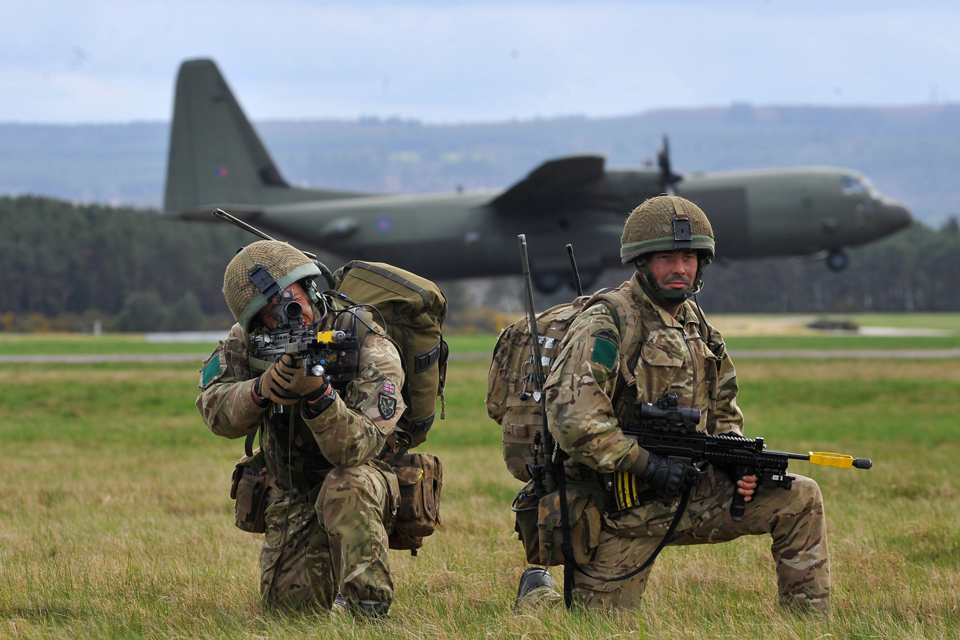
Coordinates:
667 223
651 227
285 264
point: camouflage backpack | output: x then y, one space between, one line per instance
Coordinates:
412 310
511 398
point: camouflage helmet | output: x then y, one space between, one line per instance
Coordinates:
285 264
653 227
667 223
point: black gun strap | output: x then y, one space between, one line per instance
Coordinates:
248 443
570 565
566 546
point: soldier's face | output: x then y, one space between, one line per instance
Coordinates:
300 296
673 269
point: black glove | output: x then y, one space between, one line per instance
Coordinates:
669 476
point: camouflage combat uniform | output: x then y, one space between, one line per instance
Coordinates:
332 501
673 356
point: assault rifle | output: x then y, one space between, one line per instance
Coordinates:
671 431
544 474
318 350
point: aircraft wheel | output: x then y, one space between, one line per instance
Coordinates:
547 282
837 260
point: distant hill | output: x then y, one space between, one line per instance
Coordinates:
911 153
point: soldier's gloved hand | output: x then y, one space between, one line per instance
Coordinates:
269 387
669 476
292 380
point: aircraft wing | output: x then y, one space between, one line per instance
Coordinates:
548 178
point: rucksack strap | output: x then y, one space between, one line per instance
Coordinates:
248 443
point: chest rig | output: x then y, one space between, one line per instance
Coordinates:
294 457
329 347
627 489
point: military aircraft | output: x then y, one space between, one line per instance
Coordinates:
217 160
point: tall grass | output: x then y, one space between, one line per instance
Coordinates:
115 520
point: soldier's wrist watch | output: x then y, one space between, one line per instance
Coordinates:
315 408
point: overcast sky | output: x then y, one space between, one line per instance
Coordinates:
447 61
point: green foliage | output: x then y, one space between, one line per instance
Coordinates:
64 258
186 315
141 311
915 270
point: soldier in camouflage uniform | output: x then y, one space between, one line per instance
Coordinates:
672 349
332 500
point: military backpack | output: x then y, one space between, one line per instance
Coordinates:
412 310
512 399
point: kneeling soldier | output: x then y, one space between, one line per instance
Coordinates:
599 377
331 499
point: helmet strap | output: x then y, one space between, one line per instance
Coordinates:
669 296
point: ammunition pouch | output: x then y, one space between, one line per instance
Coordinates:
585 524
249 491
526 506
420 477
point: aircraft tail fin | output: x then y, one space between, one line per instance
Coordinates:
216 157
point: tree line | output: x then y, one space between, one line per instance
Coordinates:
915 270
66 265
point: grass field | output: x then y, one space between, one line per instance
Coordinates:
115 519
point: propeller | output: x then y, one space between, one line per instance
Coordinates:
667 177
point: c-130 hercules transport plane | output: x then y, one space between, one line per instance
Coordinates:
217 160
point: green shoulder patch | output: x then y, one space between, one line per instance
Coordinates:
212 369
604 353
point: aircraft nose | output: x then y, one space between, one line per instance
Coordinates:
893 215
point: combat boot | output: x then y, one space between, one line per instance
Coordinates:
365 609
339 608
536 588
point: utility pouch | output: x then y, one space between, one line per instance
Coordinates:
420 476
249 490
584 528
526 507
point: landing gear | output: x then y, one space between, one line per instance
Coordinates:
837 260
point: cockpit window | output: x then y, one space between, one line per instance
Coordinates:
852 186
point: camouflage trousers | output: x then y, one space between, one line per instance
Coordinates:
794 519
312 551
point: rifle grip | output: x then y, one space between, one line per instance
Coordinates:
738 508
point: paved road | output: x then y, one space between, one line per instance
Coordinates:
806 354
